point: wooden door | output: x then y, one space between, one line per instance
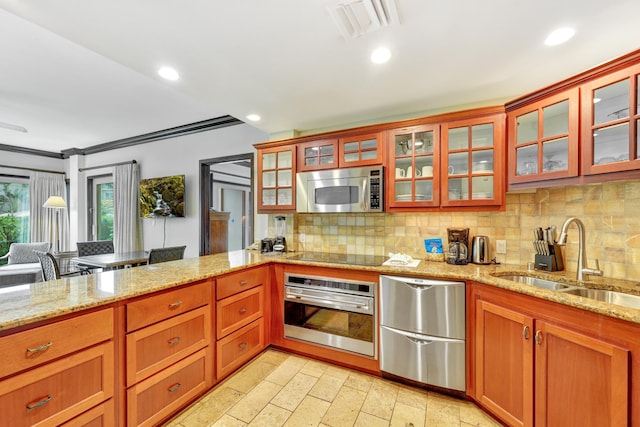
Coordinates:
580 381
504 363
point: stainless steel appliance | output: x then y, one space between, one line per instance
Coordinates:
422 330
480 253
330 311
341 190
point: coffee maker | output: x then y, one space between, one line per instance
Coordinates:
458 252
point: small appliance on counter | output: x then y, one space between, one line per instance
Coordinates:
480 253
280 243
458 252
266 245
548 252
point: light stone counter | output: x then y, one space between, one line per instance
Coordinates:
24 304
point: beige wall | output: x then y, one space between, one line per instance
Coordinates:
610 212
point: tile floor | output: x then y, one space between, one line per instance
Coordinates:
281 389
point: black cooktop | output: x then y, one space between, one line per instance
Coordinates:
365 260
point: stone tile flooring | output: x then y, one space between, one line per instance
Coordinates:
281 389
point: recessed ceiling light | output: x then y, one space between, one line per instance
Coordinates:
253 117
380 55
168 73
559 36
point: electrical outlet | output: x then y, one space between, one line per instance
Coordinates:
501 246
302 237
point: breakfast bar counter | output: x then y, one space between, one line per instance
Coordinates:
25 304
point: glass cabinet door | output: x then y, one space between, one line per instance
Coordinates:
276 168
315 155
471 167
611 115
360 150
543 139
414 169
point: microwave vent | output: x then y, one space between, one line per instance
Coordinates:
355 18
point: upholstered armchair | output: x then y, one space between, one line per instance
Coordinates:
23 265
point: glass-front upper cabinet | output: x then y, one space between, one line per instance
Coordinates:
413 178
544 138
361 150
611 122
316 155
276 179
472 162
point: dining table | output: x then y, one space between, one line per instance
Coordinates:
112 260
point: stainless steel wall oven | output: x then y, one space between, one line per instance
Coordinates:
330 311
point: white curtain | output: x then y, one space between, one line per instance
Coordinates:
43 220
127 229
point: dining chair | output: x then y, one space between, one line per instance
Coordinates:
173 253
49 265
94 247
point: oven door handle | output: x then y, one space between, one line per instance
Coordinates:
326 302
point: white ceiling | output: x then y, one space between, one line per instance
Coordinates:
77 73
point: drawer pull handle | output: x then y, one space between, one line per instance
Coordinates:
243 345
174 341
174 388
243 310
40 348
175 304
243 282
538 337
39 403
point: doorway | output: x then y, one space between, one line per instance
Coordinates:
226 185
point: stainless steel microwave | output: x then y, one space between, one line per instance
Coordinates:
341 190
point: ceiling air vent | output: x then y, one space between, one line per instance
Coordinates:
357 17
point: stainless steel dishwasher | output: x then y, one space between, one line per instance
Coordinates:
422 330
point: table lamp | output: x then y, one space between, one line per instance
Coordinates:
57 203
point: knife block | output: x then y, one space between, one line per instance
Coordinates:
551 262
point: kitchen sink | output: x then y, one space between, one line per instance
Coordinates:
534 281
612 297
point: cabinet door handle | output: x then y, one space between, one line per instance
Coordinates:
39 348
525 332
174 388
175 305
174 341
243 345
539 337
243 310
243 282
39 403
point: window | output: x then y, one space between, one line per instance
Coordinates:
101 211
14 212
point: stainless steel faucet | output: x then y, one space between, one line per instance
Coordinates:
584 271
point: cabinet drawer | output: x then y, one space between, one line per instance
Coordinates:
155 347
25 350
160 395
58 391
235 349
238 310
167 304
237 282
101 416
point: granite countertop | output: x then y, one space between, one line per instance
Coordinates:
25 304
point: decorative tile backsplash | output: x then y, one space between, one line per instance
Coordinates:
610 212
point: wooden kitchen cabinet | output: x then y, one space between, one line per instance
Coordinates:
544 139
317 155
361 150
168 352
611 122
240 323
277 179
472 162
412 151
531 357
